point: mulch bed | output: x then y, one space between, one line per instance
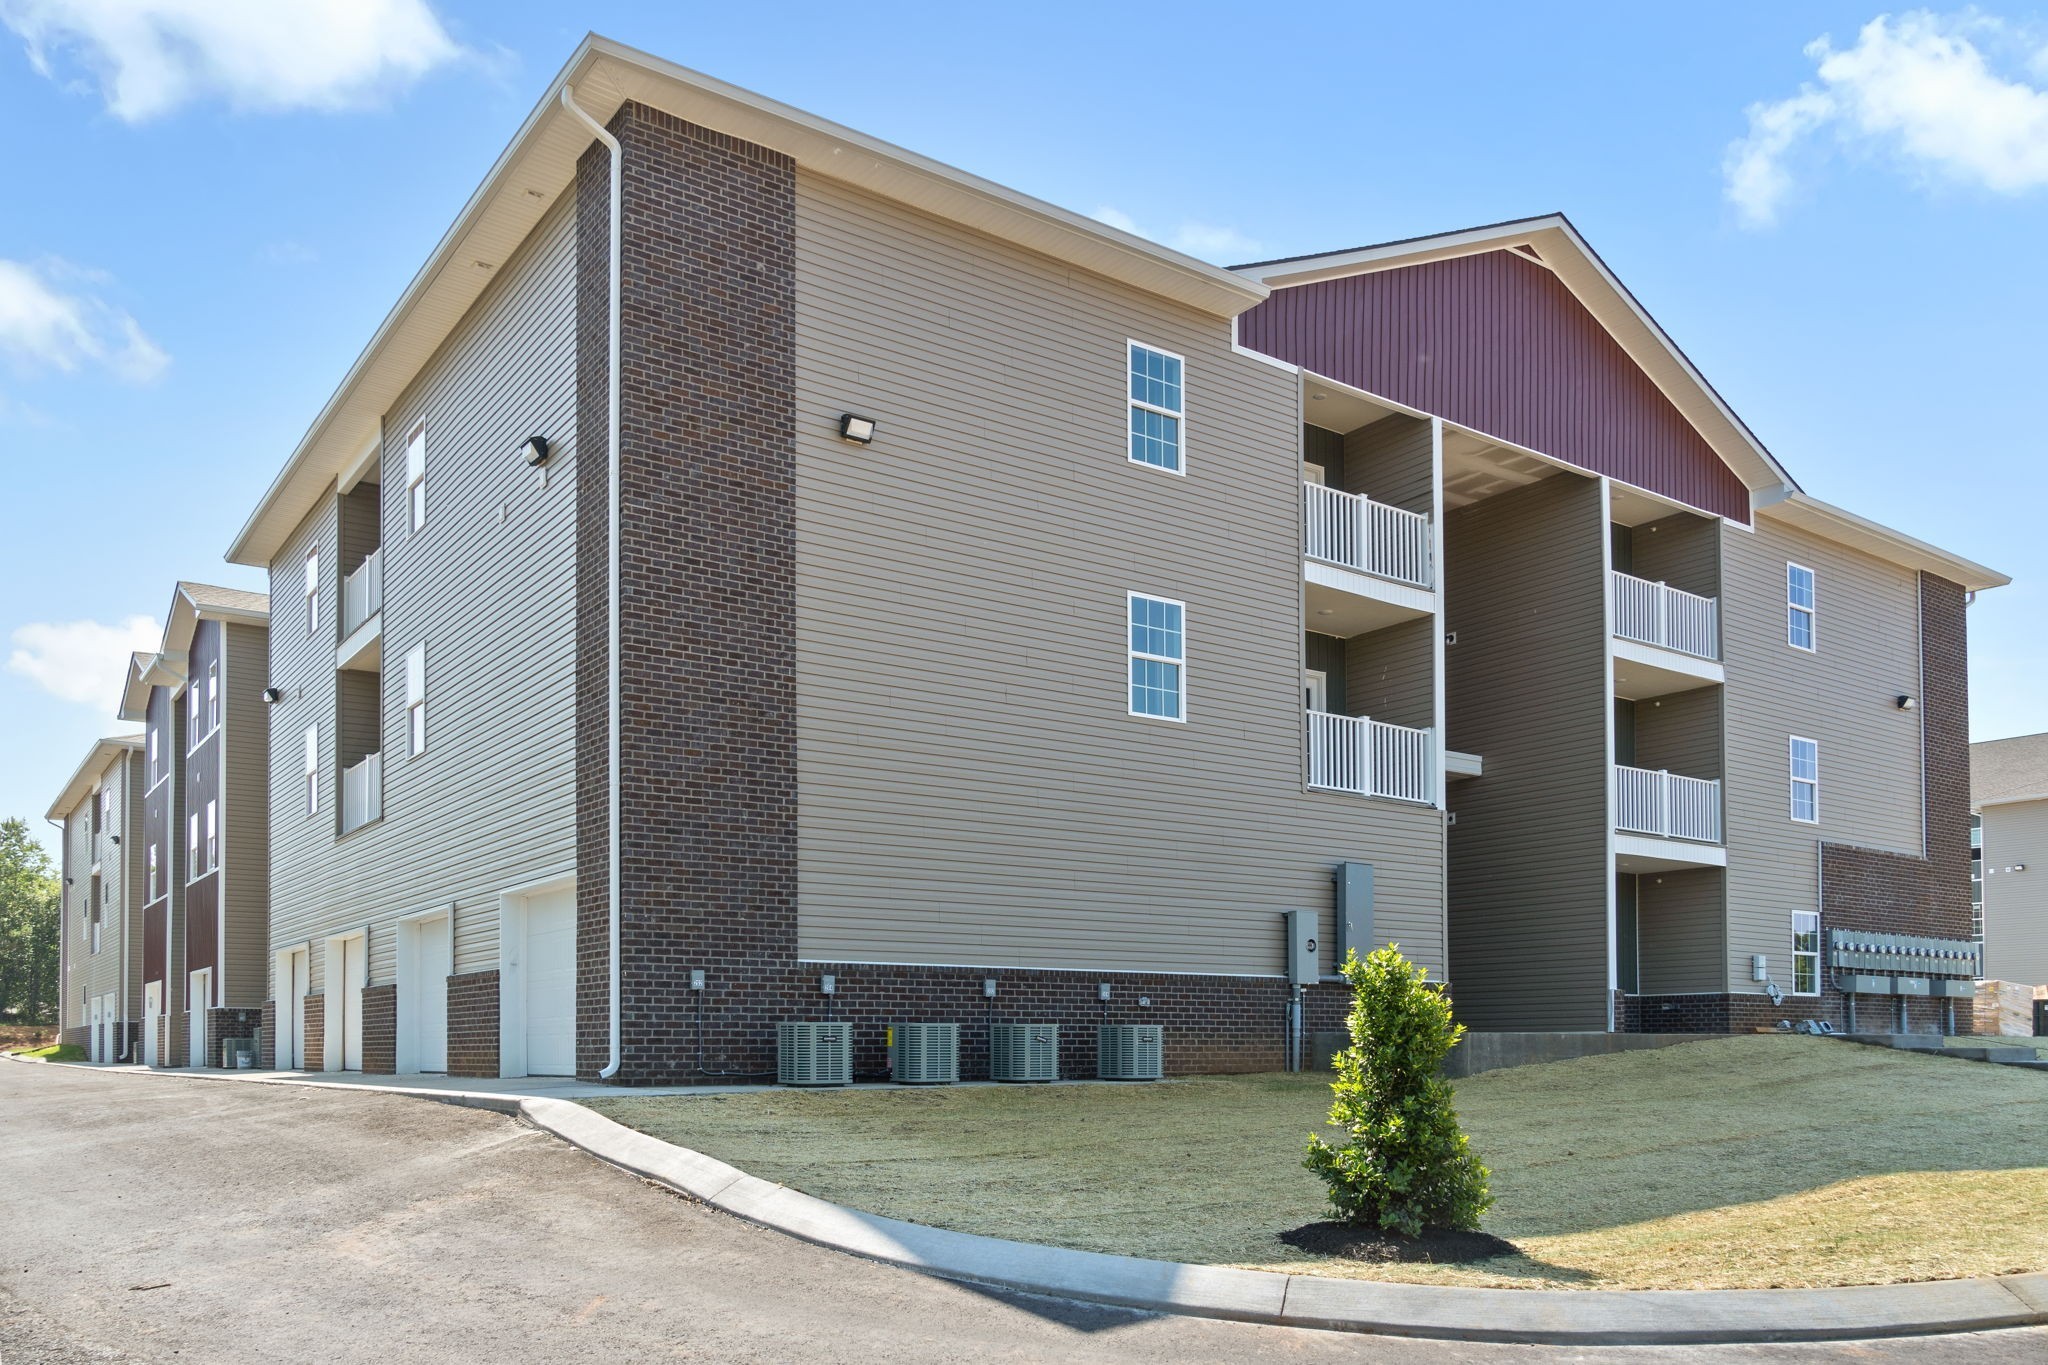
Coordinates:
1434 1247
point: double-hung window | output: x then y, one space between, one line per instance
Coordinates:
212 835
1805 952
192 867
312 770
1805 780
416 475
212 697
312 592
416 699
1799 606
152 872
192 735
1158 646
1156 411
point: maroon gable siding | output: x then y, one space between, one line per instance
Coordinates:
1498 344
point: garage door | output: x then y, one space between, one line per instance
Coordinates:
551 984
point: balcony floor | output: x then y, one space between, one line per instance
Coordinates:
1644 671
1654 853
1346 602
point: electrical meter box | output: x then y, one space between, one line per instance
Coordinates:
1354 910
1304 952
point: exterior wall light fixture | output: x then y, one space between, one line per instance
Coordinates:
853 427
535 451
1907 702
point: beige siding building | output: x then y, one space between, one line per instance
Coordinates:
99 971
2009 804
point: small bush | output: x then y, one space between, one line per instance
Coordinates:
1405 1165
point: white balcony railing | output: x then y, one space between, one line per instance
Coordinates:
1370 757
1353 530
362 593
362 793
1659 614
1661 803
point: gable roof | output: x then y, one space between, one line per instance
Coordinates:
541 162
97 760
2009 770
1552 242
191 603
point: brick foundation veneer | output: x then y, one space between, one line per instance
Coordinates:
1870 889
176 1038
316 1033
222 1024
266 1055
473 1024
380 1030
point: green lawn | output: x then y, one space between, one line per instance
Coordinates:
1744 1162
56 1052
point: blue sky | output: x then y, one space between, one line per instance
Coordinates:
211 209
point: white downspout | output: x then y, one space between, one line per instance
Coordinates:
611 143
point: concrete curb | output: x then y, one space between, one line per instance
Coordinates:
1533 1316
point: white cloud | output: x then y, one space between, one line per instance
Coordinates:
151 56
51 319
80 661
1948 96
1206 240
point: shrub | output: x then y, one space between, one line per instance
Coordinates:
1405 1164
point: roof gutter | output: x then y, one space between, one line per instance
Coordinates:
598 131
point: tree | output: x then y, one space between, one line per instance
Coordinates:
1405 1165
31 920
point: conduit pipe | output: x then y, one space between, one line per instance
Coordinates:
597 130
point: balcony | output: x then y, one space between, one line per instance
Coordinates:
1667 805
1371 758
362 616
362 793
1659 614
1351 530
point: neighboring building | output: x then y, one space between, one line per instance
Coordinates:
205 823
99 956
2009 798
1077 668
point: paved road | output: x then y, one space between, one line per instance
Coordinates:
146 1219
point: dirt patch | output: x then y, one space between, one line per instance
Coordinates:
1348 1242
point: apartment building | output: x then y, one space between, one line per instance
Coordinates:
757 573
2009 836
204 823
99 956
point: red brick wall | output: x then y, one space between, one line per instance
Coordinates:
316 1033
267 1054
380 1029
473 1024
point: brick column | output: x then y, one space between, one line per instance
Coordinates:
473 1024
380 1029
707 605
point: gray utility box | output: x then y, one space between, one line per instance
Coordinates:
1304 952
1024 1052
1130 1052
924 1054
814 1054
1354 911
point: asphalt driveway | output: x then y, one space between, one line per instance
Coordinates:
146 1218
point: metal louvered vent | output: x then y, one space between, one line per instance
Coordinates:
924 1054
1130 1052
1024 1052
814 1054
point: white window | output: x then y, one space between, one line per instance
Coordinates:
312 770
212 835
312 592
152 749
191 713
1158 646
107 808
1799 606
1155 408
152 872
1805 780
416 475
416 698
192 868
1805 952
212 697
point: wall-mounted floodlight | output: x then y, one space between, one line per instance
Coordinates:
535 451
273 695
853 427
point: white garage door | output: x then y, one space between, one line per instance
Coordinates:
551 984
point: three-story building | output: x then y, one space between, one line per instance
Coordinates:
99 958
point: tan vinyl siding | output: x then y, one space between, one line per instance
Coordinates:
1682 550
972 790
2016 902
1844 696
1390 674
488 585
90 975
245 816
1527 692
1681 931
1680 733
1393 461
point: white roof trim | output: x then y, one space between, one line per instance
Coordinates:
540 164
1568 256
86 780
1861 533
